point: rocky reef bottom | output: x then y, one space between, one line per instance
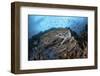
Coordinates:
50 46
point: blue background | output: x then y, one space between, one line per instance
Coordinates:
39 23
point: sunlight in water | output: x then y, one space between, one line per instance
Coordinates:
41 23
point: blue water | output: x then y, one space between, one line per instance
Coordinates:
39 23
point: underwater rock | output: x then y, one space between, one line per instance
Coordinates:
57 44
